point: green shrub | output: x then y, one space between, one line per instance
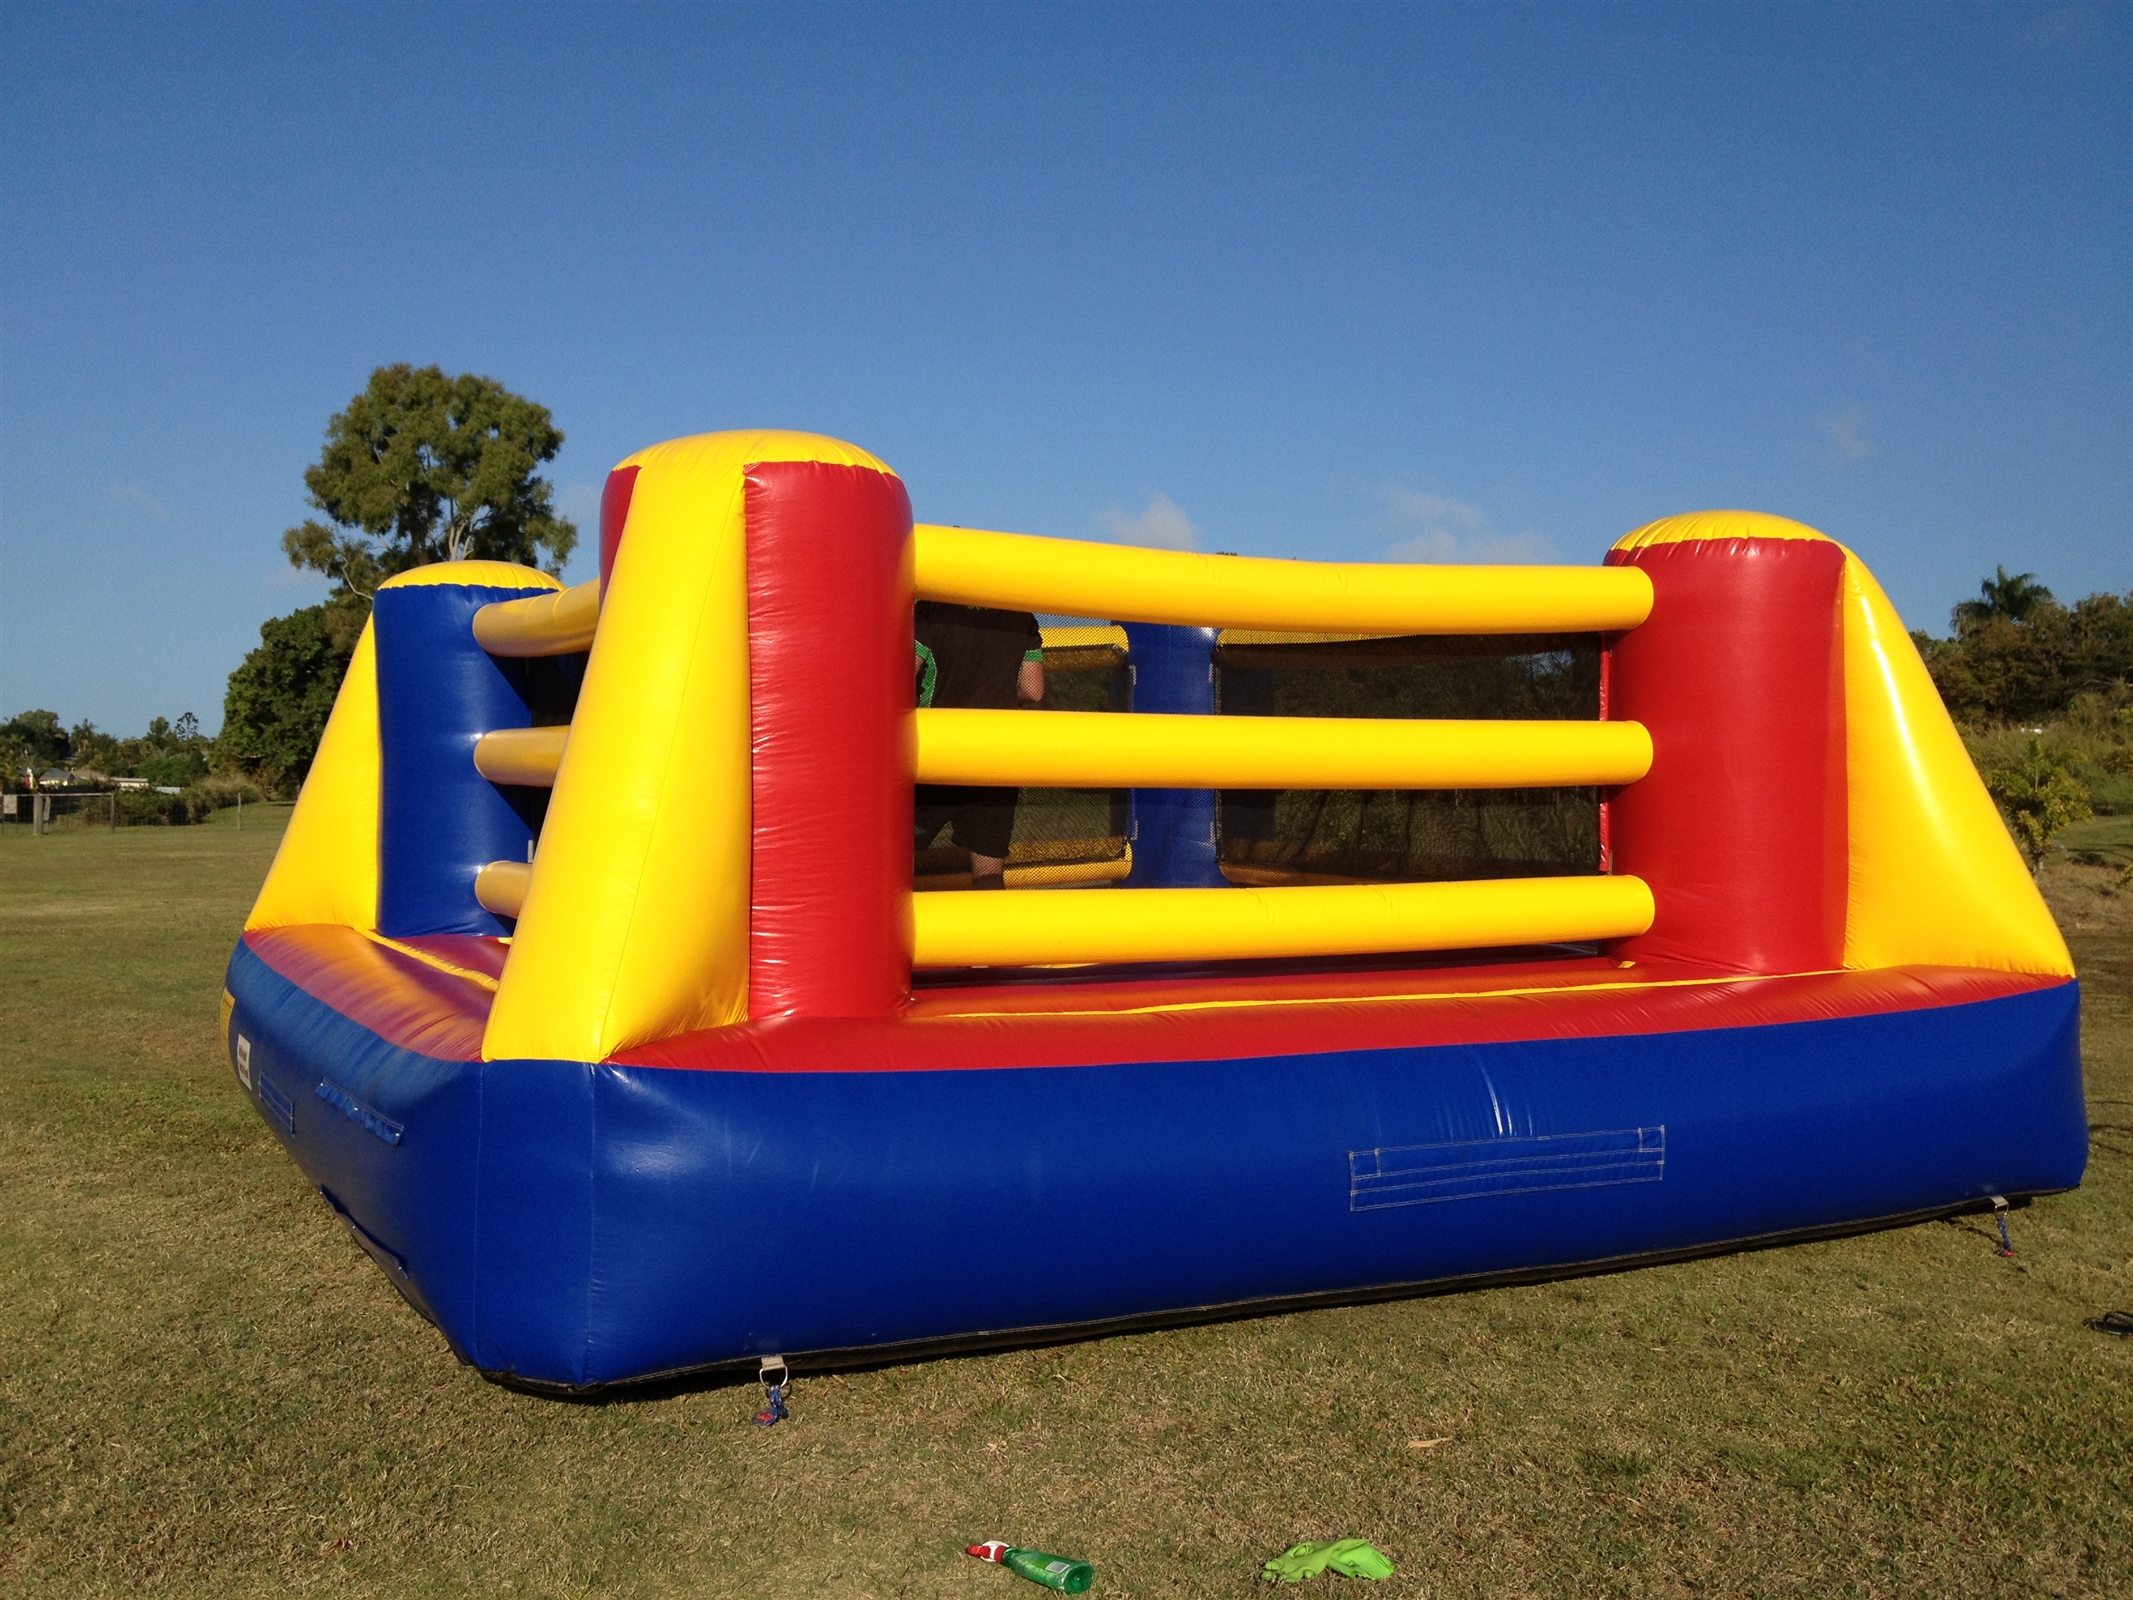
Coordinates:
281 694
224 789
139 808
2092 739
2039 797
2000 669
173 770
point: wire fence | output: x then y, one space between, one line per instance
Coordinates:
74 810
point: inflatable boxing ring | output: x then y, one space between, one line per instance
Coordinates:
590 985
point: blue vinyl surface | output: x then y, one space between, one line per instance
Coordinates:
1173 829
576 1224
440 821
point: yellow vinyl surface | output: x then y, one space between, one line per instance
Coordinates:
1934 875
1029 927
326 869
635 925
1083 638
1040 875
1695 527
527 756
473 575
1068 874
1123 584
1095 749
542 624
501 887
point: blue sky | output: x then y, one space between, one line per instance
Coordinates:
1441 282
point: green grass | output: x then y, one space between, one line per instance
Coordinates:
2108 839
206 1389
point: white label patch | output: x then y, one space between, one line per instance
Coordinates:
244 1061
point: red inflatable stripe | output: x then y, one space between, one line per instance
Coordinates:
1248 1031
829 672
399 996
410 1003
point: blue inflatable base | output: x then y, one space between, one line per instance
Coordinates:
571 1226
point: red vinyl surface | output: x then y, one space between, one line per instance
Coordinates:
1236 1031
614 514
399 997
1739 828
470 952
1174 1018
829 670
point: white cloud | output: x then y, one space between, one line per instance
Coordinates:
1848 434
1441 530
127 494
580 501
1163 526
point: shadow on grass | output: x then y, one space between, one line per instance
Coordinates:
731 1375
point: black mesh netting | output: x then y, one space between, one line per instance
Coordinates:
1304 835
1322 836
1056 830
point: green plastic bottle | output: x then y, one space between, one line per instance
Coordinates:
1054 1572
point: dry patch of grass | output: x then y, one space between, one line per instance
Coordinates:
206 1389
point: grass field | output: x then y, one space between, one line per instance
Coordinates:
206 1389
2109 840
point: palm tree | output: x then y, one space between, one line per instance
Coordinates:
2001 596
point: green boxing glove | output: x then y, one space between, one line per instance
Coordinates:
1351 1558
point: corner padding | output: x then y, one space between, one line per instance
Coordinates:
1934 875
326 869
829 664
440 819
1739 826
636 923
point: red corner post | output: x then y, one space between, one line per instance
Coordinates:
829 675
1740 826
615 499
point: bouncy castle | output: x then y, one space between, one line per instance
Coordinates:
1407 928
